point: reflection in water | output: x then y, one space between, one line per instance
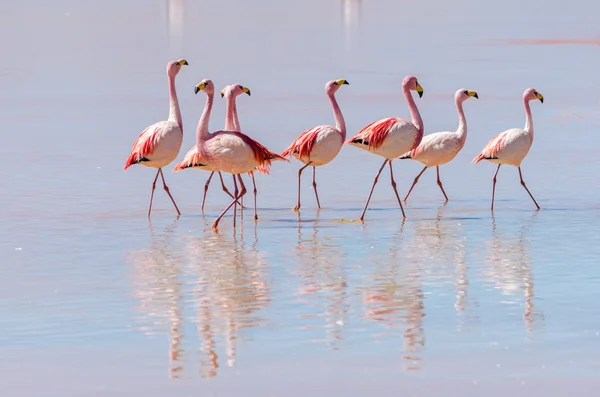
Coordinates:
396 295
324 282
510 270
224 282
175 19
351 10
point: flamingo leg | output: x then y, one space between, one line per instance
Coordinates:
494 186
152 194
439 182
242 192
362 217
315 186
223 185
216 222
393 182
525 186
206 188
235 200
297 207
255 191
414 183
167 190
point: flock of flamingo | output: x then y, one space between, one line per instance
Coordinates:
233 152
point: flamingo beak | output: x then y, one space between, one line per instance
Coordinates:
473 94
419 90
199 87
246 90
539 96
222 93
341 82
183 62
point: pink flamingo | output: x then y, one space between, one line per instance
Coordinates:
511 146
193 158
232 123
159 144
441 147
321 144
392 137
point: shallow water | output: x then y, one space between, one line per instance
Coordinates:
97 301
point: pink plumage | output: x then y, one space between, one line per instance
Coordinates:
143 147
375 133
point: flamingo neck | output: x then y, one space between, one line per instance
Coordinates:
414 112
462 122
528 118
174 111
340 124
232 122
202 129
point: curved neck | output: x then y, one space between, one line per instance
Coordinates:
174 112
462 121
414 112
528 118
340 124
232 122
202 129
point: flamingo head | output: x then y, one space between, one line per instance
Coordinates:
173 67
411 83
234 90
205 85
333 85
463 94
531 94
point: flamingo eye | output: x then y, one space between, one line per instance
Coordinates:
466 92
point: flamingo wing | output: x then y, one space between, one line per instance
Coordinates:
146 143
304 144
375 133
490 151
262 155
193 159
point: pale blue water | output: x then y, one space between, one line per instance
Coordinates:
97 301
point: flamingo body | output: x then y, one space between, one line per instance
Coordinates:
437 149
509 147
157 146
317 146
389 138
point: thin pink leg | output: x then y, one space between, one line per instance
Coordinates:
315 186
439 182
414 183
152 194
235 200
494 186
225 187
167 190
297 207
362 217
242 191
525 186
255 191
206 189
395 190
216 222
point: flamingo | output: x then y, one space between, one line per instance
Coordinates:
511 146
441 147
159 144
392 137
232 123
321 144
235 153
193 158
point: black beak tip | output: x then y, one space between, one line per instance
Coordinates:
248 93
196 89
420 94
476 96
542 100
222 95
346 82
